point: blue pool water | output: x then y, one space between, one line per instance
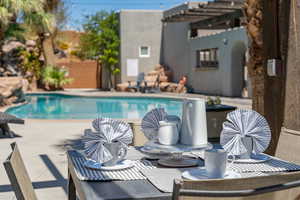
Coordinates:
57 106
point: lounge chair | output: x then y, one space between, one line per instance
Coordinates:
138 87
280 186
152 84
18 175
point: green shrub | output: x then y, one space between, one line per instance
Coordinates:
216 101
55 78
31 65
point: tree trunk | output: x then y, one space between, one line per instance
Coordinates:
48 51
268 92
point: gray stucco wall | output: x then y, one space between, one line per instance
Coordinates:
140 28
179 53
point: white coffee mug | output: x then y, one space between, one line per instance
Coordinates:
215 162
168 133
175 119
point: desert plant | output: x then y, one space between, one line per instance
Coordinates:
55 78
213 101
62 45
31 65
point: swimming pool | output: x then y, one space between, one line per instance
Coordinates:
59 106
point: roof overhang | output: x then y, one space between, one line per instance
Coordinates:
199 11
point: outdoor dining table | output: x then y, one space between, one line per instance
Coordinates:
97 190
144 188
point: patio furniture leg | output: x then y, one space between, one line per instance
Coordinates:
71 188
6 130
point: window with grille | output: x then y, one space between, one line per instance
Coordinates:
207 58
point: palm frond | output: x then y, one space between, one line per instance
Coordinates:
40 21
15 31
25 6
29 6
5 15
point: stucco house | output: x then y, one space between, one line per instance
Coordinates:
203 40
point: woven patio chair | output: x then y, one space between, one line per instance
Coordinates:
18 175
279 186
138 87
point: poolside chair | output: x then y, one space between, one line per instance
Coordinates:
152 84
138 87
18 175
280 186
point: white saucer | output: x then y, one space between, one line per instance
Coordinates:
200 174
255 158
152 150
124 164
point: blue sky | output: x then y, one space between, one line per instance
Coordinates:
79 8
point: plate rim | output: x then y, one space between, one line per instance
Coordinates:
254 161
182 166
110 168
160 152
207 178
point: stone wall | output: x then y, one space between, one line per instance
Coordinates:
12 90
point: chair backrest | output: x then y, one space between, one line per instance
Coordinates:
140 78
261 187
18 175
288 145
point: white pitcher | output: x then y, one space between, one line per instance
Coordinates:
193 128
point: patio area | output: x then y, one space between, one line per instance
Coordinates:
43 145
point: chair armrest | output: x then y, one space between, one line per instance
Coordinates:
239 193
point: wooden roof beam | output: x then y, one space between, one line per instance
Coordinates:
216 20
181 18
211 10
223 6
209 14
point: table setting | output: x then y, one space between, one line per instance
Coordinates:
178 148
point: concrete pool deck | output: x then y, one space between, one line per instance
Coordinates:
43 144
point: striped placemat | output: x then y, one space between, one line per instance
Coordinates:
272 165
87 174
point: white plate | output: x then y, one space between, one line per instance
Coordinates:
124 164
200 174
255 158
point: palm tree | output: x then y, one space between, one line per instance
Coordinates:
10 10
254 10
268 29
43 23
33 14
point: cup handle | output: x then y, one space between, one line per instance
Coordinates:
122 153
